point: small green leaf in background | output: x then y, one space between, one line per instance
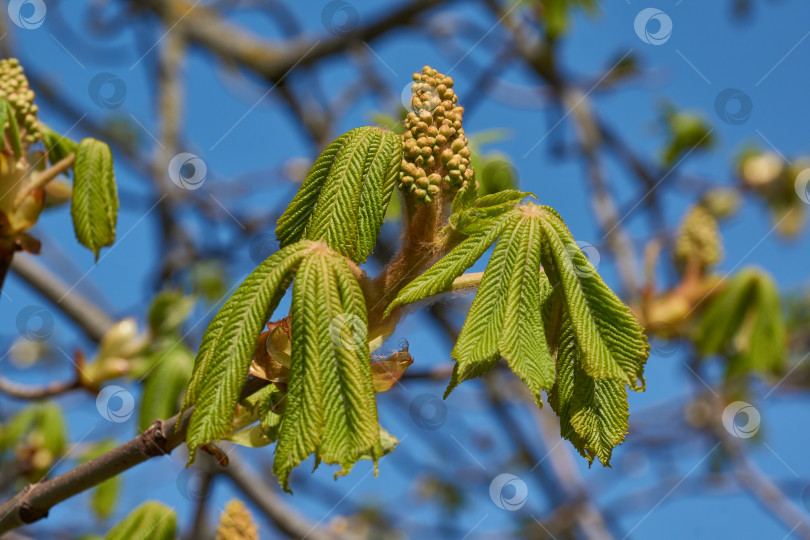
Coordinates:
164 385
745 323
94 205
40 431
150 521
168 312
686 132
58 146
104 497
344 197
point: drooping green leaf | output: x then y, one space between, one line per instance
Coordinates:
104 496
504 319
42 421
58 146
150 521
593 412
440 276
164 385
611 342
227 348
330 408
94 205
344 197
745 322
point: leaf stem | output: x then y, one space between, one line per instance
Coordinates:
45 177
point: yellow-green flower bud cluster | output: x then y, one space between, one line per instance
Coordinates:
436 157
698 239
14 89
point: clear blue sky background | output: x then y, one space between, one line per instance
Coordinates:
722 53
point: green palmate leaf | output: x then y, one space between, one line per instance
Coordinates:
612 344
104 496
150 521
227 348
745 322
593 412
164 385
504 319
94 205
344 197
57 146
440 276
330 408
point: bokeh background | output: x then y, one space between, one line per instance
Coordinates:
157 79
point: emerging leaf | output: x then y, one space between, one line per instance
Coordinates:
330 408
504 319
745 322
164 385
150 520
94 205
57 146
228 344
344 197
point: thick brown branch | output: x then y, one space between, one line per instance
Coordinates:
36 500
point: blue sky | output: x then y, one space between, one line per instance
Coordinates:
708 51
